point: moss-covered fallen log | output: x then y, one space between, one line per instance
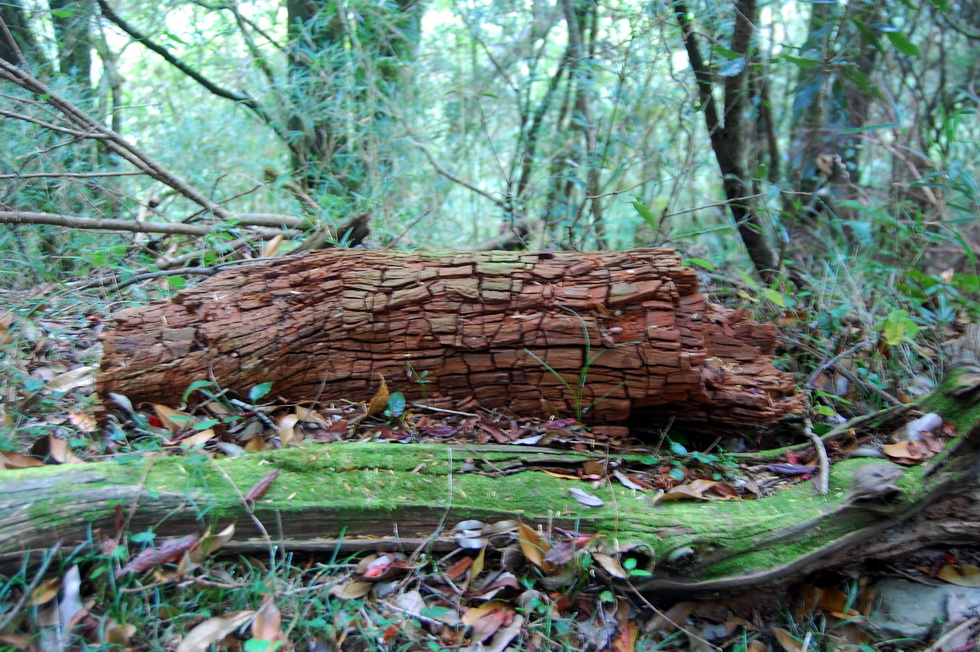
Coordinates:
372 495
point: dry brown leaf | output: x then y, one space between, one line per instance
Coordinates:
670 620
45 592
352 589
692 490
906 451
960 575
478 563
166 414
11 460
197 439
260 488
116 635
82 421
267 625
213 630
271 248
786 640
310 416
610 565
380 400
505 635
208 546
534 547
255 444
286 425
79 377
61 452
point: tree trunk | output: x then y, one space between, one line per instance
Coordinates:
382 496
608 335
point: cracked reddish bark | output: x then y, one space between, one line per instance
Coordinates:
327 324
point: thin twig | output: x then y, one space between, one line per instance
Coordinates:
823 462
70 175
834 360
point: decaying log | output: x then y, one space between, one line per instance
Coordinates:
464 326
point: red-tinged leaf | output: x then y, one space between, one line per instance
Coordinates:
169 550
495 433
457 570
440 431
499 612
487 626
391 631
626 637
377 567
557 423
561 553
560 601
724 490
261 487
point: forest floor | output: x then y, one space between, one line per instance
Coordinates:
522 588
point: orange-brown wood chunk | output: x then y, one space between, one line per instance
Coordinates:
326 324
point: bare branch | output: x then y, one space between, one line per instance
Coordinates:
105 224
112 140
49 125
71 175
452 177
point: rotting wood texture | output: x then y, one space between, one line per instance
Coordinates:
459 326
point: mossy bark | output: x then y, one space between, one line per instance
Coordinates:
383 496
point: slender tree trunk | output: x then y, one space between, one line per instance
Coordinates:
725 128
